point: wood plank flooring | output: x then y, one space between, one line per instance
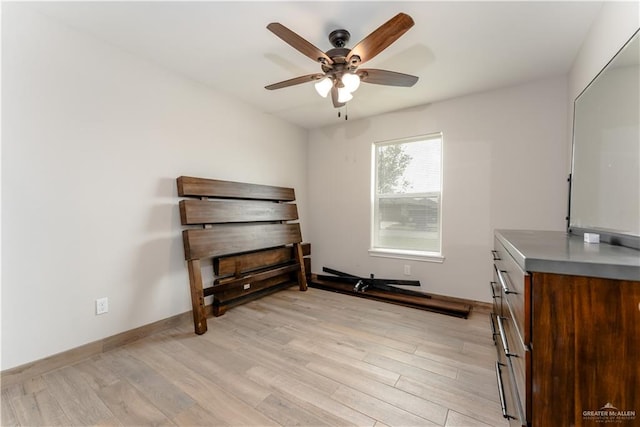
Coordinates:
312 358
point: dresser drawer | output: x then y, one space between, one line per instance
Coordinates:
506 378
505 390
520 359
516 288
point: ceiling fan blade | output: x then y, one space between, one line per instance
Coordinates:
381 38
384 77
334 98
298 43
295 81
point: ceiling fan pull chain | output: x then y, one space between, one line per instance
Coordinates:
346 112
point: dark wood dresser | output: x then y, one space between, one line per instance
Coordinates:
566 323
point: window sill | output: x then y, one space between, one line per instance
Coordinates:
408 255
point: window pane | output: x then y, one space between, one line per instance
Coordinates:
412 167
411 223
407 194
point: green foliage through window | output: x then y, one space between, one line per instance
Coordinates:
391 164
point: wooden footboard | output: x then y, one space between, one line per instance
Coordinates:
246 230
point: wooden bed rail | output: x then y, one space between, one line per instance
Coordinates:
245 230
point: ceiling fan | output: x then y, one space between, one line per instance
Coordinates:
340 73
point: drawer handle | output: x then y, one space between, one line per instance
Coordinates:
503 282
493 290
503 404
496 256
503 338
493 326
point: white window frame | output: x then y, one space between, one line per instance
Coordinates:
406 254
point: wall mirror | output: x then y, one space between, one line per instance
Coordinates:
605 178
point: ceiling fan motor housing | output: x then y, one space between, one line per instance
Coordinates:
338 55
339 38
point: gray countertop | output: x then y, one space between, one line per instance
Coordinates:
563 253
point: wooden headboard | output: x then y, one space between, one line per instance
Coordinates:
245 230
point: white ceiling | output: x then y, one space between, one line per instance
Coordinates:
455 48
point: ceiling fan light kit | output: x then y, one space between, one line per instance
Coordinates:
346 85
340 74
351 82
344 95
323 86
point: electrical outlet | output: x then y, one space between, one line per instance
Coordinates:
102 305
407 270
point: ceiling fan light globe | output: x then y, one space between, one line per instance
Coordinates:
351 81
344 95
323 86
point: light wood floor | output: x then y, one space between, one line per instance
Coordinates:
311 358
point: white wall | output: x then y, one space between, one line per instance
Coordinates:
504 167
615 24
93 139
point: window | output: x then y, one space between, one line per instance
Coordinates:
407 198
